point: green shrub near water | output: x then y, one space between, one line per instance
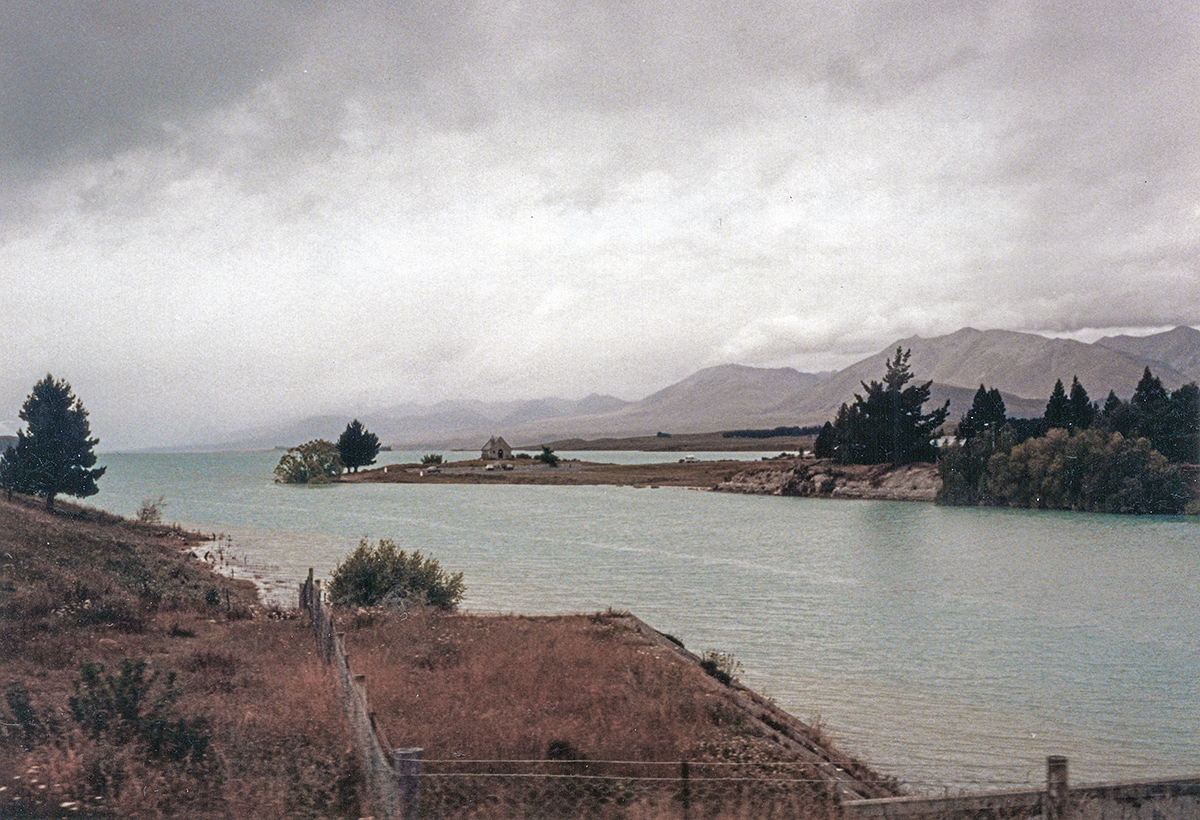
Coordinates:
315 462
1091 470
374 574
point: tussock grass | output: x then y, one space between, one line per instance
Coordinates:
82 588
608 714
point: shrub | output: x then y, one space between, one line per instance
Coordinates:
150 511
547 456
383 573
721 665
431 458
33 727
122 707
315 462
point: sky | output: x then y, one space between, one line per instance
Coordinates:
218 214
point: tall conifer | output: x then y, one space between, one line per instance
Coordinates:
54 454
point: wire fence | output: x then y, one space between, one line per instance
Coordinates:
620 790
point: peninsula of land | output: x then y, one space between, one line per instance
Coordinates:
785 474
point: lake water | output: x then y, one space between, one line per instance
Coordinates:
950 647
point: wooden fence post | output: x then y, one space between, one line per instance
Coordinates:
407 763
685 789
1056 787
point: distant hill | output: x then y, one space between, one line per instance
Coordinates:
1178 349
446 423
1023 366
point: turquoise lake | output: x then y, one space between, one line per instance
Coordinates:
953 648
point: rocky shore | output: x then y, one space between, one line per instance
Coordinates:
823 479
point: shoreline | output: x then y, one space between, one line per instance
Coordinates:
785 475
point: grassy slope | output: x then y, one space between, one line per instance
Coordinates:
589 689
86 587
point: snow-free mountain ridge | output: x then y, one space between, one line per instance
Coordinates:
1023 366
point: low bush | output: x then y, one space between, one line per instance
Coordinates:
151 509
721 665
385 574
315 462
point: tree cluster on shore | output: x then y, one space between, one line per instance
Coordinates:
887 424
1119 458
320 461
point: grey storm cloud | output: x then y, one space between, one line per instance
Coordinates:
89 77
211 190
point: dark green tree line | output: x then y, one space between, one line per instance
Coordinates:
1171 421
1079 456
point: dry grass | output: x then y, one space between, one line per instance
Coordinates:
86 588
608 715
614 712
507 687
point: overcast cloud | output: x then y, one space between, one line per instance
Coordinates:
214 214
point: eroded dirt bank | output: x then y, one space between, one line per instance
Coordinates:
822 478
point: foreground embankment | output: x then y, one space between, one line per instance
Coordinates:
140 682
783 475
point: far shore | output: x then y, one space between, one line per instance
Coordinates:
701 474
679 443
785 474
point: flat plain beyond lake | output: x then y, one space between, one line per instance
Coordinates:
945 646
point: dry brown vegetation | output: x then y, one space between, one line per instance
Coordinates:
139 683
265 733
568 716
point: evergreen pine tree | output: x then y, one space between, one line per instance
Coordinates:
1058 409
1182 441
823 446
887 424
1117 415
54 454
1148 407
1082 411
357 446
987 413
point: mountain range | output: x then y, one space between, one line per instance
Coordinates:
1023 366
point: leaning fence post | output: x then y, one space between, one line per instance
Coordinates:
1056 787
407 763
